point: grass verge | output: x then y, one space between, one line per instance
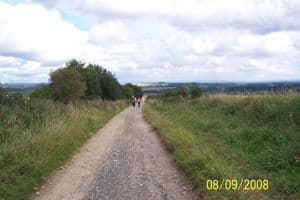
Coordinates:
37 136
233 137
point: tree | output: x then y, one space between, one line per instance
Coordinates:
76 65
2 95
67 84
171 93
196 91
127 90
89 74
111 88
2 92
130 90
183 91
137 90
41 93
99 81
92 78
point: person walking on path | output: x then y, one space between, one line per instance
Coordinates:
133 99
139 99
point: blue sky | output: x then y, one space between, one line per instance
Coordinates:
80 21
143 40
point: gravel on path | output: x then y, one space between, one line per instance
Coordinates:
123 160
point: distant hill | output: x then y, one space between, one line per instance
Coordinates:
21 87
159 87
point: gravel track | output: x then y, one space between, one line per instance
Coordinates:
123 160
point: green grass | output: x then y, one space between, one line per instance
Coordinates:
233 136
38 136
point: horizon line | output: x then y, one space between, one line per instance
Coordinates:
202 81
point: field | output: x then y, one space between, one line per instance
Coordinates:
224 87
37 136
233 137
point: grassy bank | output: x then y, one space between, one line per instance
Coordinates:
233 137
37 136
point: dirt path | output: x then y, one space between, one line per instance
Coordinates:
124 160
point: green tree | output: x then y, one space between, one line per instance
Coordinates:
130 90
67 84
41 93
171 93
196 91
92 77
137 90
183 91
111 88
2 92
99 82
127 90
76 65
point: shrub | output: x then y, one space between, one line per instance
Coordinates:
171 93
76 80
41 93
130 90
99 81
67 84
196 91
127 91
183 91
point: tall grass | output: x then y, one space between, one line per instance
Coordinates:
234 136
37 136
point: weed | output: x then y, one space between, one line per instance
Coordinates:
234 136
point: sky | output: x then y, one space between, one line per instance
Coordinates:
152 40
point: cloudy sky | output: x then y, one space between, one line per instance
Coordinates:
152 40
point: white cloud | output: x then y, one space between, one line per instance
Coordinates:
273 44
38 33
168 40
109 32
18 70
255 15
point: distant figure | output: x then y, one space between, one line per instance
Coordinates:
139 99
133 99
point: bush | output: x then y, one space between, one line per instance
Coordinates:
67 85
18 113
99 81
75 81
183 91
131 90
196 91
180 92
92 78
41 93
2 94
171 93
128 91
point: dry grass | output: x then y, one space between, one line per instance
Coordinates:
38 136
225 136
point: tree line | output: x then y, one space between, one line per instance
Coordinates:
194 92
78 80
